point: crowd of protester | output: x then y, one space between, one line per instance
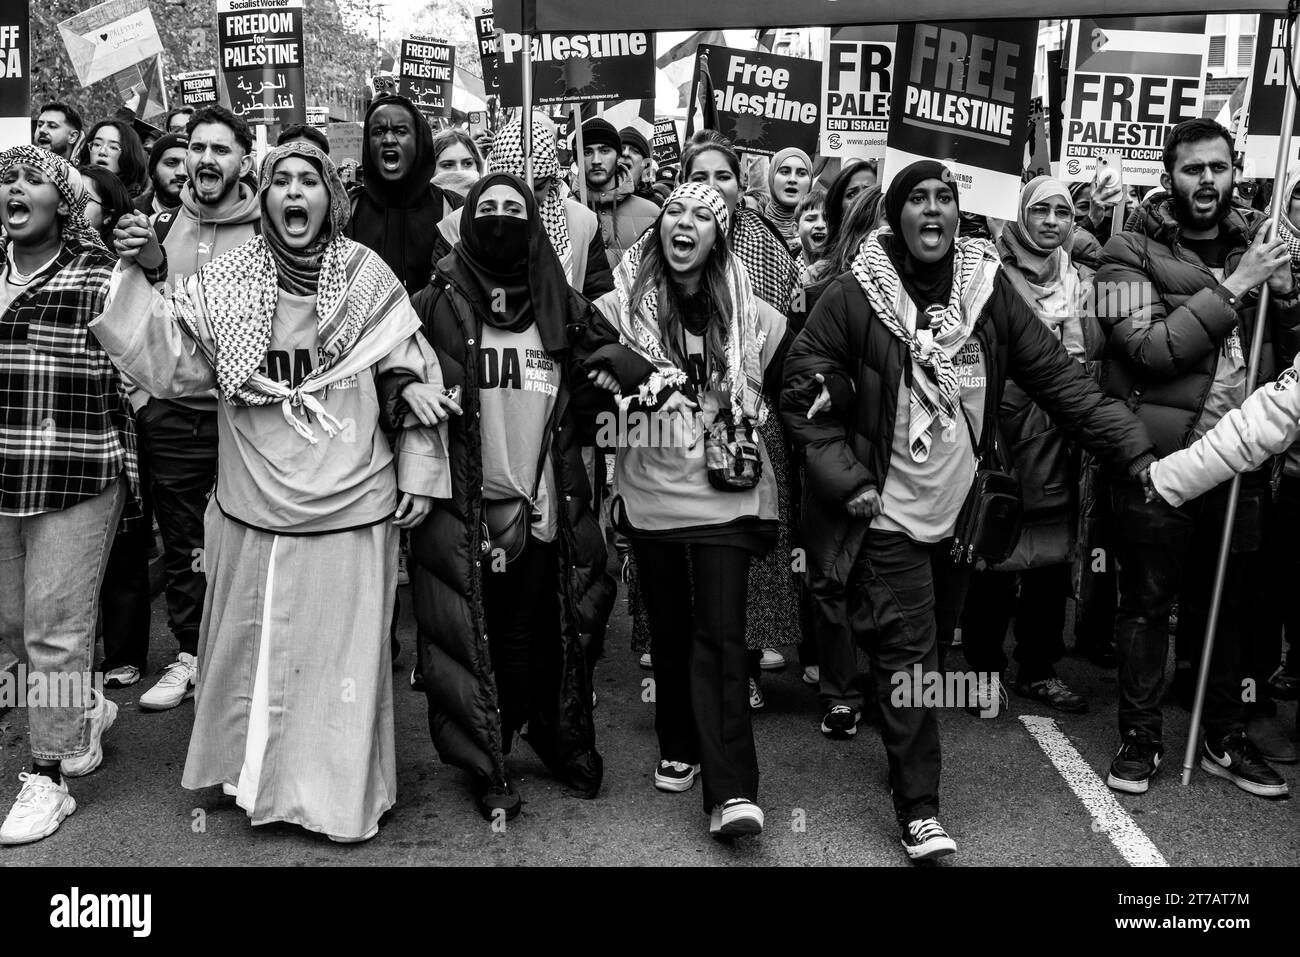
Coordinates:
320 392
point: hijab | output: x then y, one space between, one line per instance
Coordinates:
782 216
1287 231
508 157
66 180
298 270
508 263
926 283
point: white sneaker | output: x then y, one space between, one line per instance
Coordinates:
40 809
101 719
176 684
756 700
772 660
645 661
736 818
812 675
675 776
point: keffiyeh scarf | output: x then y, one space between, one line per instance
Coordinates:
640 330
508 157
974 268
66 180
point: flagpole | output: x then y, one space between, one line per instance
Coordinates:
578 155
526 119
1277 210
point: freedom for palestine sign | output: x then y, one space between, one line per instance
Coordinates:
578 67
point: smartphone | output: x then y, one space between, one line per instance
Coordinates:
1110 169
477 123
453 393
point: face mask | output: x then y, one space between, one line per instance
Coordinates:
502 241
457 180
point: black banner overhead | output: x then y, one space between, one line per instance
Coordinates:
579 15
580 68
15 75
765 102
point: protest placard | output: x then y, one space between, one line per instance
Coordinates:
665 144
260 44
198 88
1037 149
15 75
764 102
579 67
109 38
426 74
855 92
346 141
1259 134
961 95
487 51
319 117
1131 80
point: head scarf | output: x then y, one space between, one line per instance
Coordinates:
66 179
535 290
298 270
926 282
362 311
508 157
1287 230
744 341
782 216
971 267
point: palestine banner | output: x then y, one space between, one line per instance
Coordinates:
1262 129
198 88
855 92
579 67
425 77
15 76
962 96
764 102
487 51
665 145
319 117
260 50
1131 80
109 38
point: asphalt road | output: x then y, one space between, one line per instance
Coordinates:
825 802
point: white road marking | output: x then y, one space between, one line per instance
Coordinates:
1107 815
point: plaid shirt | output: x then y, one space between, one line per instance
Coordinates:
66 430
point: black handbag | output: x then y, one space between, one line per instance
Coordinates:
506 521
988 525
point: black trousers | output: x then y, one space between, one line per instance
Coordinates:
901 595
522 606
1036 598
695 604
124 599
1168 552
183 461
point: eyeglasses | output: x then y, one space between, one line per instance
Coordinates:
110 145
1040 211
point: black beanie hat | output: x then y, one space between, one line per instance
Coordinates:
902 185
630 136
598 131
164 143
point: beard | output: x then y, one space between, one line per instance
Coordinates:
1187 215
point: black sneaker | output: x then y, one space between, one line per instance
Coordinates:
675 775
925 840
1237 759
1135 764
497 801
1054 693
840 723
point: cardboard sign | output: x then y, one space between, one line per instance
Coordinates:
961 95
579 67
15 75
1260 132
764 102
426 75
485 31
198 88
665 144
346 142
856 81
1131 81
109 38
260 51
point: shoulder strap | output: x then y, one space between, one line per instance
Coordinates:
162 224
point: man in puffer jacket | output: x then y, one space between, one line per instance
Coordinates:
624 216
1177 299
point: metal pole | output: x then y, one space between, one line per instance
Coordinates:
526 118
576 113
1278 209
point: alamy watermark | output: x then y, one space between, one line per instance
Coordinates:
25 688
977 690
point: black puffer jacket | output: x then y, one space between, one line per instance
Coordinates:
446 579
847 449
1160 359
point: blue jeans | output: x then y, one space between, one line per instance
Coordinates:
51 568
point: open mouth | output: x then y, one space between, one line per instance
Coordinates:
932 234
296 220
101 161
390 160
1206 200
207 179
683 244
42 139
17 213
818 235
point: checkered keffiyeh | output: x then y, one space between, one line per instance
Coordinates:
508 157
66 180
974 267
66 429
